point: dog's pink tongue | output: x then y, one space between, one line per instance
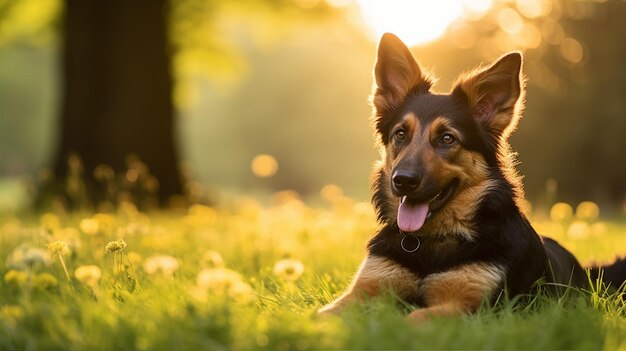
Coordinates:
411 217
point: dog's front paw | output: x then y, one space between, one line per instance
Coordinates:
422 315
419 316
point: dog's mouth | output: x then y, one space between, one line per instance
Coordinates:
412 214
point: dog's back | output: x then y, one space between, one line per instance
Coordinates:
563 269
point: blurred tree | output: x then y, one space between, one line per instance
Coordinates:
117 90
117 108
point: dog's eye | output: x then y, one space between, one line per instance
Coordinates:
400 135
447 139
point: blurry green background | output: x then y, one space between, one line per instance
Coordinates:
291 79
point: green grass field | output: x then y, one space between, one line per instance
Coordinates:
248 277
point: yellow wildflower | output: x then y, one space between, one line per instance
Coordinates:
11 315
50 221
14 277
89 226
45 281
113 246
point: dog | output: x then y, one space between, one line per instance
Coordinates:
448 198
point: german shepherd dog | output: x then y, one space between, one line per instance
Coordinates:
447 197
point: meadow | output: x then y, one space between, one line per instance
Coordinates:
245 276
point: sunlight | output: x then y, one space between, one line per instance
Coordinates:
415 22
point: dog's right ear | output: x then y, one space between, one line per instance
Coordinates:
396 74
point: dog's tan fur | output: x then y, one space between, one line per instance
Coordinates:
458 291
374 275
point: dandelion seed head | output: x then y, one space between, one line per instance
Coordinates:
579 230
113 246
27 256
88 274
163 264
59 247
288 269
222 281
217 278
36 257
212 259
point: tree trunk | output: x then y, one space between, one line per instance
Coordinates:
117 94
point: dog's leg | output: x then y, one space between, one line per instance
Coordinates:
375 274
457 291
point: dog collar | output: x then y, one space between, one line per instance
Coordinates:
411 245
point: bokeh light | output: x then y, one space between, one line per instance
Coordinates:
264 165
534 8
510 21
561 211
572 50
588 211
331 192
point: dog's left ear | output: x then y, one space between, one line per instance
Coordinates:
493 94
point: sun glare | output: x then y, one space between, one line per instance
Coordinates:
415 22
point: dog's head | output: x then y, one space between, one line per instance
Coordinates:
439 151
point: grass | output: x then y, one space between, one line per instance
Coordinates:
248 277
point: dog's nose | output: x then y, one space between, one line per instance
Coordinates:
404 181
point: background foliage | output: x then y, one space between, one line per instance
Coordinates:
291 79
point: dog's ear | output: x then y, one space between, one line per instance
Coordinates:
493 94
396 74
